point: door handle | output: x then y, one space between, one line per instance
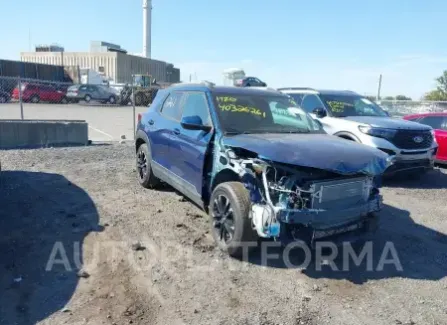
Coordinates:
151 122
176 131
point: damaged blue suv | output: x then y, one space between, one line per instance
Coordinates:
259 165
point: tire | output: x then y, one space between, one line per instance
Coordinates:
35 99
144 173
112 100
138 99
87 98
234 201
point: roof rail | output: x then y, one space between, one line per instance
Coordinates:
207 83
297 88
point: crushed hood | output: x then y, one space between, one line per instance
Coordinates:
313 150
387 122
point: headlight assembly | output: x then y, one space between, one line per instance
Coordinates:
378 132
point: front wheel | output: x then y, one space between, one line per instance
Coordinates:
112 100
87 98
230 223
145 175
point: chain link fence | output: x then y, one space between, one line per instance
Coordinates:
399 108
110 109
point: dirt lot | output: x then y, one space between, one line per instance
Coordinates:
65 209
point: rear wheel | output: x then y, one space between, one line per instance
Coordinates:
87 98
138 99
35 99
145 175
230 223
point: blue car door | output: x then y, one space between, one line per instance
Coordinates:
189 146
160 125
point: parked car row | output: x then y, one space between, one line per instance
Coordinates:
277 163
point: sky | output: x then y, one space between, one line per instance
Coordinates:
337 44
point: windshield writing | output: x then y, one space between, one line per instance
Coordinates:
350 105
255 113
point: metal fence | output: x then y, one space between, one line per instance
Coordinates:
110 110
400 108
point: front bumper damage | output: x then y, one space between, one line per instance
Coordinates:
297 203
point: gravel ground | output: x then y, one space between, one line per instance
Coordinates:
82 243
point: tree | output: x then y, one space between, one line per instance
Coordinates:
442 82
436 95
440 94
389 98
402 97
371 98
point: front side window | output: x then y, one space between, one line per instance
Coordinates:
253 113
310 102
171 107
351 105
195 104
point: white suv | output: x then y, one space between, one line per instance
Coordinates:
354 117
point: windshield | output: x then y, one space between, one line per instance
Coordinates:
253 113
348 105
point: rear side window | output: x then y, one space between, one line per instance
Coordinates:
196 105
436 122
171 107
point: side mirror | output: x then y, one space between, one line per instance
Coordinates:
194 123
320 112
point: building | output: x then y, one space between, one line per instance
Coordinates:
108 59
49 48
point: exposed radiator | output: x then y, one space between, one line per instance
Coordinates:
339 194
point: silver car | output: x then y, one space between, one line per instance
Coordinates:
88 93
354 117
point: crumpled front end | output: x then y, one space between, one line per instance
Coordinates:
288 198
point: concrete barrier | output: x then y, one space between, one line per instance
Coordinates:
42 133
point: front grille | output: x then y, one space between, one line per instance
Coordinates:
406 139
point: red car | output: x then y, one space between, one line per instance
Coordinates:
438 121
35 93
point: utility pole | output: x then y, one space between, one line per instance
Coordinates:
379 88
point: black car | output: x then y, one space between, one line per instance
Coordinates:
250 82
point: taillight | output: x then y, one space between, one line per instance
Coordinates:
139 117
